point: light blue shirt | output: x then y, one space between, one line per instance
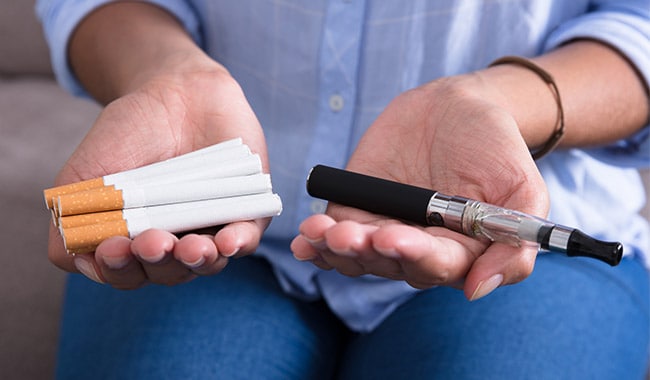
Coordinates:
317 73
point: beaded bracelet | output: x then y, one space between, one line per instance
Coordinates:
558 131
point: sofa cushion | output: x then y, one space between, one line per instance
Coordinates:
22 45
40 126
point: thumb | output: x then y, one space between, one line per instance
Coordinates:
500 265
503 264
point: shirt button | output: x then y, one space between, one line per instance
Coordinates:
336 102
318 206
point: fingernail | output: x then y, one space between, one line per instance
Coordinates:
303 258
115 263
486 287
153 259
233 253
346 253
195 264
388 252
316 243
87 269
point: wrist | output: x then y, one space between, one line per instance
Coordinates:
603 96
527 97
180 68
112 62
558 131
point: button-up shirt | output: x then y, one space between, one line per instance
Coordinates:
317 73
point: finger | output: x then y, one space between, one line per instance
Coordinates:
350 239
500 265
343 244
199 254
346 246
311 240
56 251
86 265
240 238
80 263
154 250
322 264
435 256
345 265
118 265
304 249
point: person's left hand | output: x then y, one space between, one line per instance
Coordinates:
453 136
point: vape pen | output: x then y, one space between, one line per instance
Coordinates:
469 217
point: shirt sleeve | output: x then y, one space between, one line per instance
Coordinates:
624 25
60 17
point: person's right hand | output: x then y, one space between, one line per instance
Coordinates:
186 106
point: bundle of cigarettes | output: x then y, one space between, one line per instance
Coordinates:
220 184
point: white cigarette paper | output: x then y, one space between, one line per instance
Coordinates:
180 164
237 167
196 191
187 216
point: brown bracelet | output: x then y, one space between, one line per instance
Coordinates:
558 131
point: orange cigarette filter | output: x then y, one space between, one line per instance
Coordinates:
84 202
54 192
87 238
91 218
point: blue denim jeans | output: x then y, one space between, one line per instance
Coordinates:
571 319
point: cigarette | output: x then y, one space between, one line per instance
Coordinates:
91 218
173 218
110 198
243 166
179 164
227 150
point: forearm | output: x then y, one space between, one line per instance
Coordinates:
120 46
603 97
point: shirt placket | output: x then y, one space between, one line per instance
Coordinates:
338 62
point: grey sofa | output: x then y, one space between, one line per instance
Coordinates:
39 127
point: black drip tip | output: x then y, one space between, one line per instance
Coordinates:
582 245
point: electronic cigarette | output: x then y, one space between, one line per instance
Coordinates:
467 216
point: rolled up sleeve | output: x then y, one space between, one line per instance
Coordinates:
624 25
60 18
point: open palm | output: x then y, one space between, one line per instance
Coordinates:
168 116
446 136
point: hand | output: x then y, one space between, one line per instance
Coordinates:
177 111
453 136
